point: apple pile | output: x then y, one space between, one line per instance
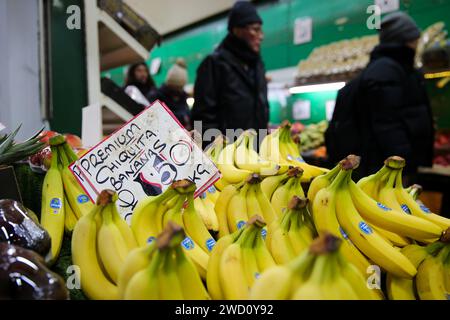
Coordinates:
442 149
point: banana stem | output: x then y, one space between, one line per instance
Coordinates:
54 163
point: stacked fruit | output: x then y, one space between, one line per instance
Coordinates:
176 204
204 205
238 203
161 271
280 147
101 241
291 233
432 281
313 136
319 273
343 209
237 261
63 199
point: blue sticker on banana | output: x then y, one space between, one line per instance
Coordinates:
425 209
405 208
202 195
257 275
240 224
264 234
343 233
187 243
382 206
56 204
151 239
82 198
210 243
365 228
212 189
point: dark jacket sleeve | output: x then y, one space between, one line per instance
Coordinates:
384 102
206 105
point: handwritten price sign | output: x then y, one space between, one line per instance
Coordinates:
142 159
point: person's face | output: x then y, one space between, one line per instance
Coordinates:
141 74
413 44
252 34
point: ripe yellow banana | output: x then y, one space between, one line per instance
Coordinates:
321 182
226 165
94 283
237 209
232 275
221 208
52 210
430 279
270 184
268 213
70 219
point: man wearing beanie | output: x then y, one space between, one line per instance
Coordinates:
231 90
173 95
392 109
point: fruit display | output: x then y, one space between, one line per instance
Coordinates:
24 276
442 150
19 229
313 136
318 273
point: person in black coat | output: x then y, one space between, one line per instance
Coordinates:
394 103
230 89
173 95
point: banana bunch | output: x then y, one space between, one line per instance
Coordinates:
344 210
204 205
76 202
386 187
101 240
213 151
280 189
292 232
176 204
236 161
237 203
432 281
282 149
319 273
161 270
237 261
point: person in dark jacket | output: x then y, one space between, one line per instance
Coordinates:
394 103
173 95
230 89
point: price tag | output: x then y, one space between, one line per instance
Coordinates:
302 30
143 158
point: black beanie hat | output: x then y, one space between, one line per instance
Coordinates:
243 13
398 27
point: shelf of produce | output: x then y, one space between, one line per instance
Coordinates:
436 169
117 46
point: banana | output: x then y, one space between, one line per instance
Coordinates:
274 284
280 245
207 213
267 210
190 281
79 201
168 280
226 165
221 208
368 241
321 182
263 257
232 275
112 249
52 210
197 255
94 283
138 259
70 220
143 285
280 197
418 210
124 229
386 195
253 207
415 190
403 289
143 220
212 275
270 184
301 230
221 184
237 209
212 194
430 279
195 228
371 184
249 262
392 220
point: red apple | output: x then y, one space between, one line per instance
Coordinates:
46 135
73 140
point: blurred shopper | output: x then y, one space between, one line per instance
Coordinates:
391 113
231 90
173 95
139 84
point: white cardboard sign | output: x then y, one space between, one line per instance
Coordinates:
303 30
143 158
